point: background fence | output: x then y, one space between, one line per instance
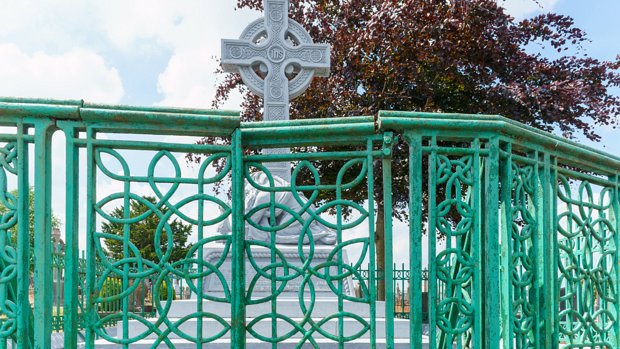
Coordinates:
141 301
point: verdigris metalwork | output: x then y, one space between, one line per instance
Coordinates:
531 244
556 243
292 209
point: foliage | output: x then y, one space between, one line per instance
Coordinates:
464 56
163 292
112 286
143 233
12 197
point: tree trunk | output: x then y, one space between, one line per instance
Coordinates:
380 250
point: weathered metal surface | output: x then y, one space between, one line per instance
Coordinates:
531 256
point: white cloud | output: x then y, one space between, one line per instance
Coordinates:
49 25
75 74
523 8
177 24
189 80
125 22
190 29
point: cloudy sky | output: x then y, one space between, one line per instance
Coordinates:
145 52
155 52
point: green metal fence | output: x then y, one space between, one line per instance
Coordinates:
400 285
140 302
521 231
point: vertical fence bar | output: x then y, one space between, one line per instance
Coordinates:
547 258
616 221
389 260
43 235
91 185
372 288
24 331
70 310
415 240
477 203
238 312
506 247
432 244
491 240
545 253
553 252
538 250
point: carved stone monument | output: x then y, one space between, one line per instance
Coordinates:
277 60
289 234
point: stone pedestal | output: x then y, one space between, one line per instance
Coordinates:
291 259
287 306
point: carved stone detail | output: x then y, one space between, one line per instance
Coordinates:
276 53
264 43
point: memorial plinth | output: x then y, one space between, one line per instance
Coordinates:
287 305
293 260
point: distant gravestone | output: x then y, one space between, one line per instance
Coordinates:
277 60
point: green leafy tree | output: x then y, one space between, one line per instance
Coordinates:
460 56
142 233
13 230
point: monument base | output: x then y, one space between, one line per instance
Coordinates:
287 305
289 259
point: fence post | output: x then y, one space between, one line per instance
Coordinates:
415 239
71 281
91 273
550 288
506 181
546 258
388 273
23 314
491 247
238 244
616 221
42 234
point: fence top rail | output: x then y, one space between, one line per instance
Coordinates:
78 110
515 131
325 131
332 131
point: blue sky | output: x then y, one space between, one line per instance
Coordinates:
599 19
163 52
145 52
154 52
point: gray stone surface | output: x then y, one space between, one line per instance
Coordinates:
262 286
277 60
291 229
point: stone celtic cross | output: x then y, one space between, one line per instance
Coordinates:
277 60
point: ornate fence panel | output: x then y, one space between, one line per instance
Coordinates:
520 228
308 284
587 260
116 293
531 229
25 142
16 139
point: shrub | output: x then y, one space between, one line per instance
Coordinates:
163 292
111 286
